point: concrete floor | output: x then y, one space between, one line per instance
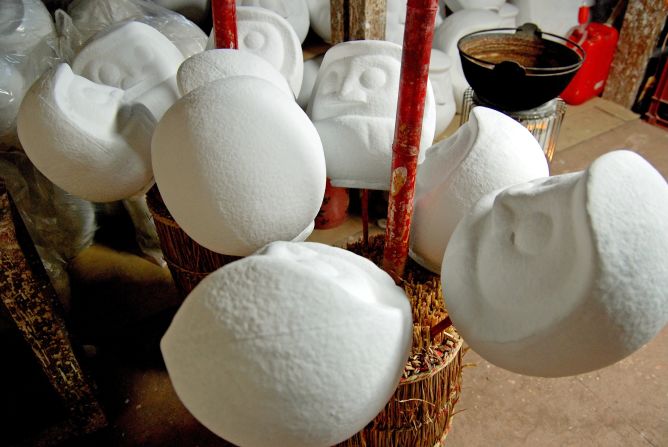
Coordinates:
122 304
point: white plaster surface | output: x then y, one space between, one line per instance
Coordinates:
565 274
239 165
26 30
211 65
270 36
550 16
456 5
84 138
299 345
488 152
136 58
354 105
320 18
508 14
296 12
311 68
395 21
441 82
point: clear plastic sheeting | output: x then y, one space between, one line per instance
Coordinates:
85 18
27 49
60 225
145 232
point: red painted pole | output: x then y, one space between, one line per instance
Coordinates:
224 14
418 34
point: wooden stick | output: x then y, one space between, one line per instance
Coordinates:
440 327
357 20
643 22
339 21
420 16
224 14
365 217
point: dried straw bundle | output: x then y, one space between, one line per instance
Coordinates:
420 412
188 261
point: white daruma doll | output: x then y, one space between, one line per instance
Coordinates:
353 106
566 274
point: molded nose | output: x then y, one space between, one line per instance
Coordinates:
351 91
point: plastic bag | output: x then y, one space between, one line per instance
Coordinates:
60 225
89 17
27 49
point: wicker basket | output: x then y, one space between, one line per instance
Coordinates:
420 411
188 261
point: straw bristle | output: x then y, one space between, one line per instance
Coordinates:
420 412
188 261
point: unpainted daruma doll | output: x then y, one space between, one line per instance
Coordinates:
565 274
298 345
353 106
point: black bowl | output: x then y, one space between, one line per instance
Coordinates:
518 69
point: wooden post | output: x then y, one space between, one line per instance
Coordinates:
357 20
31 302
420 16
339 20
367 19
643 22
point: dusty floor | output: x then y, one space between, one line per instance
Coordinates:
123 303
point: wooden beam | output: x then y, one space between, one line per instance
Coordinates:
31 302
358 19
367 19
339 20
643 22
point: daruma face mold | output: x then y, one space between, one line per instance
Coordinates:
300 344
268 35
294 11
84 138
491 152
353 106
137 59
566 274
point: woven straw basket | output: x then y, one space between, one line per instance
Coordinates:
188 261
420 411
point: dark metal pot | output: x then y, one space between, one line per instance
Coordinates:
518 69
